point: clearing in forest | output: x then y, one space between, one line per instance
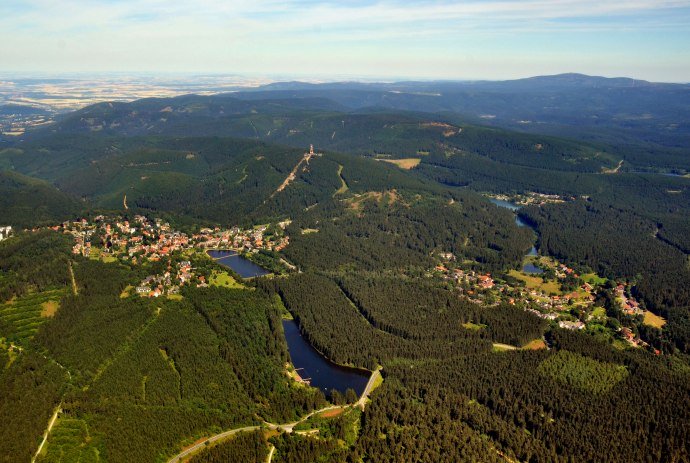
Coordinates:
406 163
535 344
654 320
582 372
536 282
343 185
22 317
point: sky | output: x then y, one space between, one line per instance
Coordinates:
349 39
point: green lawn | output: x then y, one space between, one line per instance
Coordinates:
593 279
224 280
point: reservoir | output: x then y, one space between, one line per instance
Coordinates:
243 267
321 372
528 267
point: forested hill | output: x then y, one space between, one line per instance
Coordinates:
590 107
297 118
27 201
393 254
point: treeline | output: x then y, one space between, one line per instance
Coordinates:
544 152
127 364
251 341
332 324
210 362
29 202
432 424
307 449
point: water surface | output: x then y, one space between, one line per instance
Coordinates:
322 373
243 267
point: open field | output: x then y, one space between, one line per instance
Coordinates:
127 291
534 282
331 413
535 344
654 320
49 308
407 163
473 326
225 280
500 347
593 279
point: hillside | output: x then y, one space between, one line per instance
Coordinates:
26 201
502 283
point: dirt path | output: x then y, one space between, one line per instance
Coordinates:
343 184
75 291
293 173
51 423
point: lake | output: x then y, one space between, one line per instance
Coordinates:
243 267
323 373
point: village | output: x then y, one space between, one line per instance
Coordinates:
152 240
548 289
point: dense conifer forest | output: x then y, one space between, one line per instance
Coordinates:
380 272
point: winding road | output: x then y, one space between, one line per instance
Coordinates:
285 427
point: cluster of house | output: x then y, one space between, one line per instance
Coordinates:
532 198
5 232
239 239
477 286
632 339
171 281
470 277
628 304
152 240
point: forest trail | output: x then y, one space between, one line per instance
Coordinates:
75 291
343 184
45 434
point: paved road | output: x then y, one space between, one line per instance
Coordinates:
367 390
285 427
195 448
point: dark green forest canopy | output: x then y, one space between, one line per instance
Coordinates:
364 237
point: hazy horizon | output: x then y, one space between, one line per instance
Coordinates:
361 40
